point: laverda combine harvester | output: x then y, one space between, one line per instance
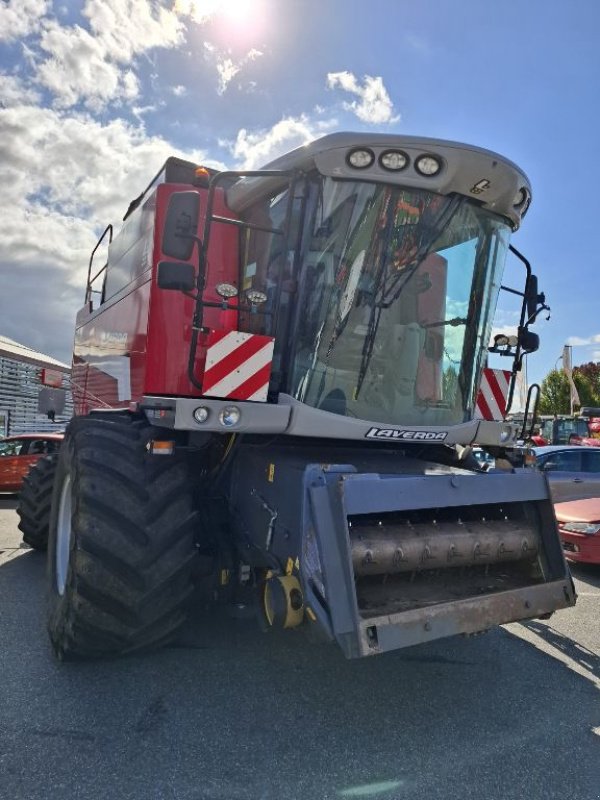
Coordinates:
275 378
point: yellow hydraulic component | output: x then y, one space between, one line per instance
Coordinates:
283 601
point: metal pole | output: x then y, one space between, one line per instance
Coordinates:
570 387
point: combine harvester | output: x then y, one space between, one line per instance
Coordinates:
275 377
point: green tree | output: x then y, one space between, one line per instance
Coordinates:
555 392
450 383
590 371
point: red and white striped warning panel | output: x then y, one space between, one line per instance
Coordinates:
493 394
238 365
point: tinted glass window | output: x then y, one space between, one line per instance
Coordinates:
12 448
37 447
567 461
591 462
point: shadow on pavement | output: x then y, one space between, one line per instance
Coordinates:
575 651
8 501
588 573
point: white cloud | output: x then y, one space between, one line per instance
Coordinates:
19 18
69 175
578 341
374 104
129 27
226 67
256 148
199 11
91 66
64 177
179 90
13 92
226 70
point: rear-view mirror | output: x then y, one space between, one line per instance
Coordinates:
532 295
176 276
181 225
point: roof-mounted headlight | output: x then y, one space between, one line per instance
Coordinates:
428 165
393 160
360 158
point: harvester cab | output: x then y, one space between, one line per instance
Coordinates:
281 380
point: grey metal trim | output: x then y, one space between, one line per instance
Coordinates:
294 418
255 417
373 493
308 421
471 615
474 172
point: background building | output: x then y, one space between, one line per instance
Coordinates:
23 374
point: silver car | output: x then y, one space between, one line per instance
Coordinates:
573 471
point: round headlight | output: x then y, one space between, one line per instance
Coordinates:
229 416
256 298
361 158
394 160
520 197
226 290
428 165
201 414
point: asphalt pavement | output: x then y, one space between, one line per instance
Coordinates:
230 713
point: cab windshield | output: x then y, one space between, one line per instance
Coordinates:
394 292
400 292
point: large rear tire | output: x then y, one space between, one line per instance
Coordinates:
121 550
35 500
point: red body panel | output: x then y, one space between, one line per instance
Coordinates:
13 468
138 341
581 547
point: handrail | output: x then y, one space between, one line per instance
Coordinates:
527 434
90 281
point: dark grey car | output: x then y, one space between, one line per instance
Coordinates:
573 471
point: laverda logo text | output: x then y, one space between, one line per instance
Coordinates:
393 433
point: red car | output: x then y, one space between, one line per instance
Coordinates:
579 529
19 453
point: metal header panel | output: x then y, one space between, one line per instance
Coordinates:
486 177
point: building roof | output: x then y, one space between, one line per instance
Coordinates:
20 352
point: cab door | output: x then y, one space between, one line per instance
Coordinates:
573 474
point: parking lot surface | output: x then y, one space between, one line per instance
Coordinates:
229 713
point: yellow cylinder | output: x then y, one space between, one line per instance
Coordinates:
283 601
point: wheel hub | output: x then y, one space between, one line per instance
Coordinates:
63 536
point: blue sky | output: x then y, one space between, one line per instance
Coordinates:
96 94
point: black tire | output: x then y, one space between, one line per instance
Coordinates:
35 500
126 572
